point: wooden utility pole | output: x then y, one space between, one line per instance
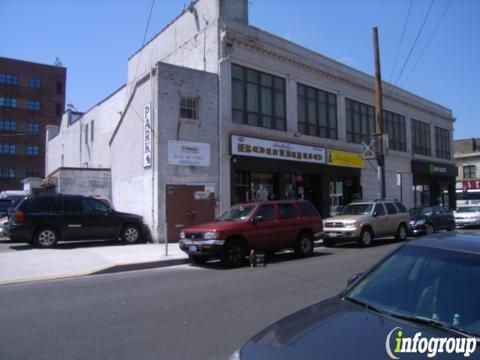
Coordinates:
379 117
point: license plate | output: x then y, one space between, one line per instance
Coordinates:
192 248
332 234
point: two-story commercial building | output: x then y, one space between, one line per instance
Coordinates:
217 111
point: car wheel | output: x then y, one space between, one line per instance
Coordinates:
198 259
304 245
45 237
233 253
366 237
429 229
401 234
131 234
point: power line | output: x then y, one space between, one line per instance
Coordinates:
415 42
401 40
429 41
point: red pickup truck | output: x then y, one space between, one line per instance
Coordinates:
265 226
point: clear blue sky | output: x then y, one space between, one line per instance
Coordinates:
94 38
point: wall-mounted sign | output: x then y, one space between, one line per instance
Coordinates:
343 158
147 136
435 169
247 146
188 153
468 184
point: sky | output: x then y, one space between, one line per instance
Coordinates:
94 39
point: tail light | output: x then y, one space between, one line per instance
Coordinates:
19 217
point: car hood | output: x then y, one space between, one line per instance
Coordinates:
119 213
343 218
467 214
333 329
419 217
213 226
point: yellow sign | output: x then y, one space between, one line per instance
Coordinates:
343 158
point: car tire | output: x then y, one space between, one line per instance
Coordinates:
452 226
401 234
198 260
429 230
304 245
366 237
233 253
45 237
131 234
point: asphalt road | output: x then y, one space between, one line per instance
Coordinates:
182 312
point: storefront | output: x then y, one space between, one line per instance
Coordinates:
266 170
433 184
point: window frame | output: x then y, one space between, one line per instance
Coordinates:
183 108
32 150
355 118
443 148
34 83
34 105
395 127
9 128
9 79
472 171
421 134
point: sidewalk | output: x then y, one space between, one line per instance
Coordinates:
47 264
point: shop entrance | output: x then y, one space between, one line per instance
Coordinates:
187 205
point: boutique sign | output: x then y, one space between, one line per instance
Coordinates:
253 147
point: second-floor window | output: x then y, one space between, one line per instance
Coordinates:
421 142
317 112
34 83
360 121
7 149
8 102
32 150
33 128
8 126
6 172
258 98
188 107
395 128
8 79
469 172
33 105
32 172
442 143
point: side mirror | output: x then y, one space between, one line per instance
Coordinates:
353 278
257 220
375 214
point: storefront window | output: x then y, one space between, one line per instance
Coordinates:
422 195
254 186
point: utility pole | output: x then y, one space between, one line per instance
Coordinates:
379 118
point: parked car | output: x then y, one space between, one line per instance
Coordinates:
468 215
425 286
4 205
362 221
262 226
430 219
46 219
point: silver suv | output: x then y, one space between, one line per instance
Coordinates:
364 220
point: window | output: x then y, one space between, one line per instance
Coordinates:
8 102
379 209
8 126
33 105
7 172
73 204
7 149
86 134
421 142
188 107
33 128
32 150
58 109
59 88
9 79
401 207
391 209
267 212
41 204
91 130
34 83
32 173
307 209
287 211
258 99
94 206
470 172
360 121
442 143
317 112
395 128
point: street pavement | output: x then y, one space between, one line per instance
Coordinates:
180 312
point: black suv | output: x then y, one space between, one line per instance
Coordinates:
44 220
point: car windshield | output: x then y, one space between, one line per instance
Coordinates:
468 209
236 213
356 209
425 211
432 285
